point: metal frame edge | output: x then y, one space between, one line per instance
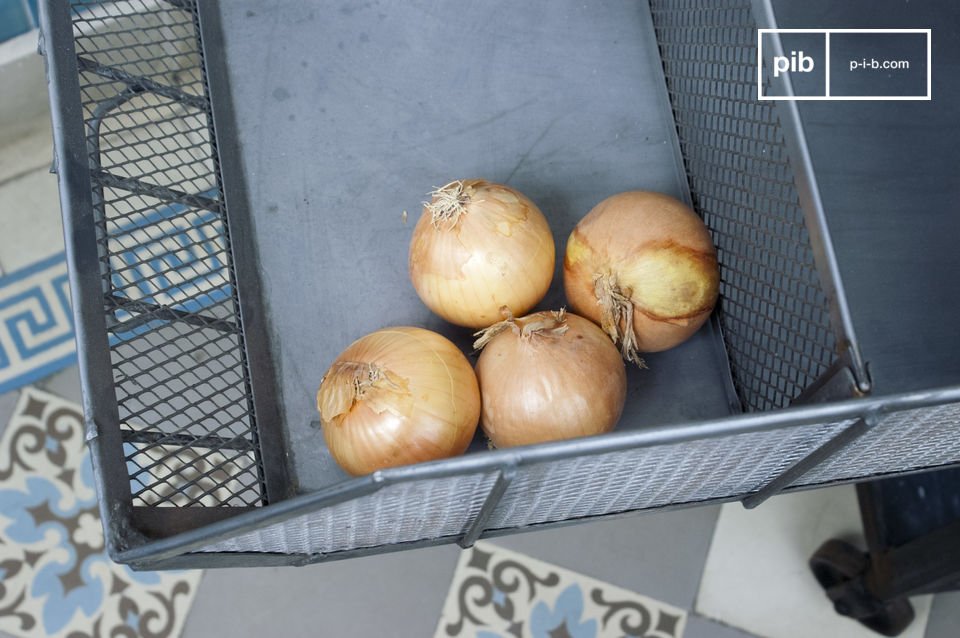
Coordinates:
101 415
260 369
495 460
806 182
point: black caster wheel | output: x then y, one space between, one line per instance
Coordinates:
839 567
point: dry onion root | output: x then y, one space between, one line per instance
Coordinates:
398 396
479 246
643 266
548 376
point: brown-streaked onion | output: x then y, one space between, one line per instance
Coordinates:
398 396
548 376
479 246
643 266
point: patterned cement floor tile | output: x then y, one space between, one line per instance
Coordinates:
497 593
56 578
164 244
36 324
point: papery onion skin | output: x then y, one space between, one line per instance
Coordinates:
421 401
659 254
498 251
543 387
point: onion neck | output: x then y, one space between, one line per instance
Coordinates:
539 324
447 204
616 316
350 382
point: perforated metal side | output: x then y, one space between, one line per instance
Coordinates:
405 512
900 442
546 492
774 313
655 476
176 337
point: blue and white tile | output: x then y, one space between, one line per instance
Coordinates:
170 256
173 257
497 593
36 324
57 579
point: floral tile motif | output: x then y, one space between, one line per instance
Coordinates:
55 577
497 593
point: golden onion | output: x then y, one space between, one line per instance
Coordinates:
398 396
479 246
548 376
643 266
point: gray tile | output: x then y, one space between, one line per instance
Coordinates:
660 555
398 594
944 616
756 575
8 402
30 209
700 627
30 152
25 99
65 383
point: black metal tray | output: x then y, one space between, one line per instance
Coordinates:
356 112
233 180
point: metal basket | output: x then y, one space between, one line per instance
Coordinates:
183 418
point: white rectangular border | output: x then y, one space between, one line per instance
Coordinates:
828 97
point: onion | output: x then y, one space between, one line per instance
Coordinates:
398 396
479 246
642 265
548 376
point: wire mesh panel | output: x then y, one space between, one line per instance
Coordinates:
654 476
176 336
405 512
900 442
773 310
546 492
